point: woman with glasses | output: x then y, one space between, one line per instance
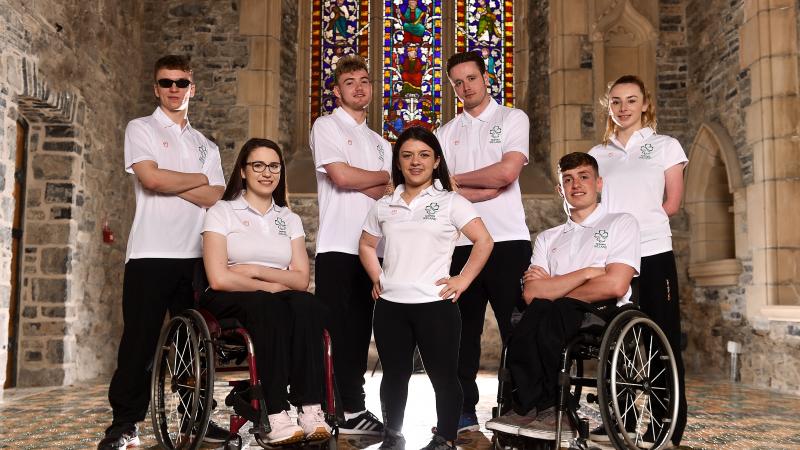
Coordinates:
255 258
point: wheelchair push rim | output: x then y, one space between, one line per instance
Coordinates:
181 384
642 386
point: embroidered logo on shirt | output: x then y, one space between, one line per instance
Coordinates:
203 152
495 134
600 239
431 211
380 152
647 150
281 226
165 144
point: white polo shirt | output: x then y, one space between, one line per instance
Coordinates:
338 138
633 182
167 226
602 239
472 143
252 237
420 238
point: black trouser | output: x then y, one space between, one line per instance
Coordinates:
534 348
499 284
435 328
344 286
286 330
150 288
658 298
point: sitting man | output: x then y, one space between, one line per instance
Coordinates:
590 259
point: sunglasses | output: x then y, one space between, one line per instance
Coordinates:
166 83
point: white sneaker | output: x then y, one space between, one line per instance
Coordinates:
284 431
312 419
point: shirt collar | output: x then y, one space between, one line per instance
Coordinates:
165 121
240 203
487 113
347 118
638 136
433 190
590 221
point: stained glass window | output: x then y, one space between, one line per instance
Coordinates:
487 26
338 28
412 65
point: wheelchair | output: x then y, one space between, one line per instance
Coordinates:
192 348
636 384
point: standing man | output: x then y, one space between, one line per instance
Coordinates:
352 166
486 147
177 175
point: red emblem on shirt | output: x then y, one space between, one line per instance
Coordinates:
165 144
246 223
456 142
349 142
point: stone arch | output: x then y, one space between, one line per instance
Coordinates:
714 201
49 300
623 42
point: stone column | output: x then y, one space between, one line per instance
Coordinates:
259 83
570 84
770 52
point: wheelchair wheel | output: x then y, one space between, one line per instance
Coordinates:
638 383
178 409
207 356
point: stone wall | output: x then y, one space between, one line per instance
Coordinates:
288 71
65 75
208 32
539 82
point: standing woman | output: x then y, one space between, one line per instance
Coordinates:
255 257
415 299
643 175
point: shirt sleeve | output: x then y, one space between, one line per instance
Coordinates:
371 223
295 227
387 155
673 154
326 147
216 219
212 168
539 256
516 128
462 211
625 245
137 145
441 136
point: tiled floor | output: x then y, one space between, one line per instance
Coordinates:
722 416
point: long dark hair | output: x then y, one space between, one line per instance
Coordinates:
429 139
236 183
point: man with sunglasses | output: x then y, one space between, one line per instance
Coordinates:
177 175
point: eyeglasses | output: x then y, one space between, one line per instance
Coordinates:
260 166
166 83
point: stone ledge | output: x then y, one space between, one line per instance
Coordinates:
781 313
722 272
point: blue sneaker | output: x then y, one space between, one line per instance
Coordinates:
468 422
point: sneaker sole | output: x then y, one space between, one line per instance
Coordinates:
475 427
352 431
135 442
502 427
296 437
320 434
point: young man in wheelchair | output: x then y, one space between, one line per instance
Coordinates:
583 265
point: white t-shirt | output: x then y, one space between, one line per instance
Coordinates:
420 238
602 239
338 138
471 143
252 237
167 226
633 182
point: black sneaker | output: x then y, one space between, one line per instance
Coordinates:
119 436
599 435
365 423
393 440
216 434
438 443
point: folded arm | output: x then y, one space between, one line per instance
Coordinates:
497 175
166 181
539 284
221 277
296 277
614 283
203 196
345 176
